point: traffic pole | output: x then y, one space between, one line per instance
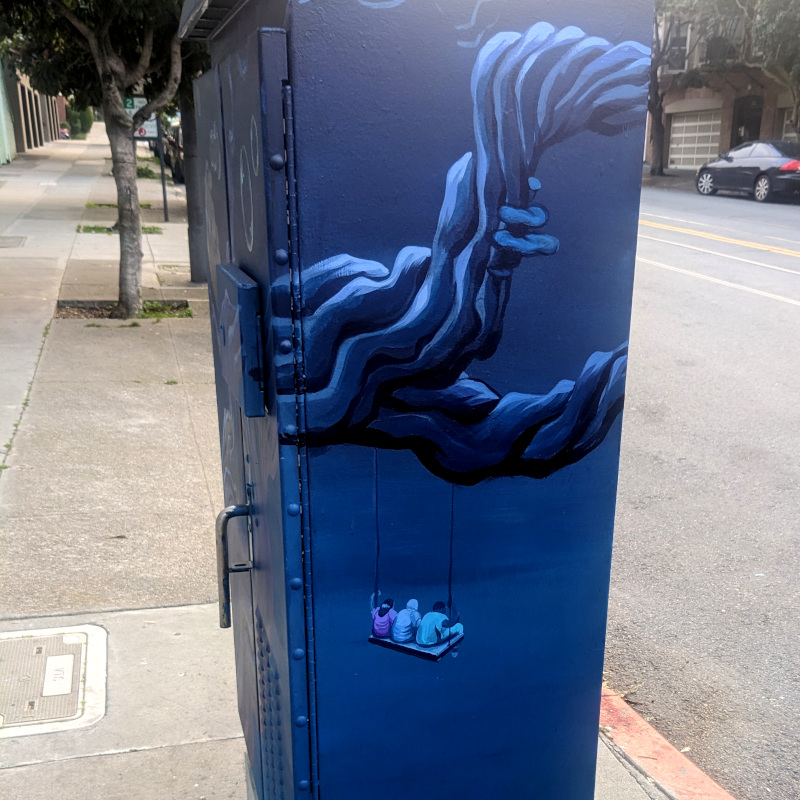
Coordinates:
161 160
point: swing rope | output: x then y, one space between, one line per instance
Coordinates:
376 595
452 529
377 529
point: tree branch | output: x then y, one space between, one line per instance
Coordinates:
144 60
779 74
59 7
65 12
115 63
168 92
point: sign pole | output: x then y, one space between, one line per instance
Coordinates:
161 160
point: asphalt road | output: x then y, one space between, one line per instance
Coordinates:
704 629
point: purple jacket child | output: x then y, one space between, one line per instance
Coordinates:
382 618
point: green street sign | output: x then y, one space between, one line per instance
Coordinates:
147 130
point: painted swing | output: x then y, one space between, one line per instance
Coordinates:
443 646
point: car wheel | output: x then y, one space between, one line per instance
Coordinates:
762 188
705 183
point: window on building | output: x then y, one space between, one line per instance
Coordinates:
718 50
678 46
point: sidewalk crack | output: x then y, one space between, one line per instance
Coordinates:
10 443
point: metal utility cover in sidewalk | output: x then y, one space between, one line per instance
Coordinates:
52 679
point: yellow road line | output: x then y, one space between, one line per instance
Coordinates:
717 238
722 227
721 282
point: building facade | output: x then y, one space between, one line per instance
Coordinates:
736 104
29 119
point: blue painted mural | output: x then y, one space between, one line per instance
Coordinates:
386 349
464 312
432 484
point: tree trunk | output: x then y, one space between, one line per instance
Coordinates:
123 156
657 137
655 105
795 118
198 249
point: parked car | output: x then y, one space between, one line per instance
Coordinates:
175 153
153 144
760 169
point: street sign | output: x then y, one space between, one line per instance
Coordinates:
148 129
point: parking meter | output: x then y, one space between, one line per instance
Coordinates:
421 222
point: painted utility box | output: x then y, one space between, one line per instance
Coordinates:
421 220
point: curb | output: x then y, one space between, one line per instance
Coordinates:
650 753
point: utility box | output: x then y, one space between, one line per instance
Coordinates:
421 221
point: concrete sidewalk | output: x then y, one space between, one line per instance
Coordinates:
675 180
108 496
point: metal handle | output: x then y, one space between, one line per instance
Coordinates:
223 568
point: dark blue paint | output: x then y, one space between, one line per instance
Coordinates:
211 150
237 314
394 123
383 110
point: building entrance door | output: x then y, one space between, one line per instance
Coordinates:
746 119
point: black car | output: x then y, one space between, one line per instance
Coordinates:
761 169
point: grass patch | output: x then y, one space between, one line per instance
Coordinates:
94 325
80 136
133 324
94 229
90 204
155 309
145 172
107 229
171 383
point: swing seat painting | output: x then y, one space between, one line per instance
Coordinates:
434 653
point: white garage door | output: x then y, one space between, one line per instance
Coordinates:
694 138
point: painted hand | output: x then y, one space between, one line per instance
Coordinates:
519 235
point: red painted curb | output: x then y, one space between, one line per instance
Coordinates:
653 754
